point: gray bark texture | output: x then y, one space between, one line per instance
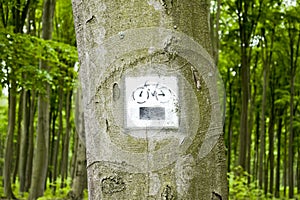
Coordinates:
79 177
9 142
40 159
119 39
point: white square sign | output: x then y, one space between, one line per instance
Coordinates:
151 102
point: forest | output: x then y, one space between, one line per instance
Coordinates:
257 44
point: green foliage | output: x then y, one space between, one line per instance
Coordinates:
239 187
53 191
60 193
20 54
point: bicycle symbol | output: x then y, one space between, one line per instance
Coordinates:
152 91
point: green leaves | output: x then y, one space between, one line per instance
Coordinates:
20 55
239 187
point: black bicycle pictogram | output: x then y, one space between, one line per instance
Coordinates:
152 91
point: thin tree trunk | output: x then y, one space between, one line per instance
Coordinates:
278 167
298 168
251 120
29 162
230 126
74 156
293 67
79 179
66 141
291 140
244 113
60 131
42 140
256 146
27 148
19 132
80 176
271 145
263 129
24 142
55 139
285 159
8 157
249 139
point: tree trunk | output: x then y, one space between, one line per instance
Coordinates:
24 142
298 169
245 78
263 129
40 161
116 39
278 167
256 147
66 142
271 144
80 176
19 132
293 66
285 156
272 110
230 124
8 157
251 122
29 161
56 135
291 141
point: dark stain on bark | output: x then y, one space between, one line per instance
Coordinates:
112 184
168 193
91 19
216 196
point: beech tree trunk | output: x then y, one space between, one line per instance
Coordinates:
278 165
24 142
31 130
8 157
120 38
66 141
40 159
79 176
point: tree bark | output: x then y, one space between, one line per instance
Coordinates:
294 52
80 176
19 132
271 143
8 157
278 165
56 137
113 171
66 141
298 169
24 142
29 161
245 78
285 158
262 153
40 159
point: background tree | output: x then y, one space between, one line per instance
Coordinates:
40 158
20 55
